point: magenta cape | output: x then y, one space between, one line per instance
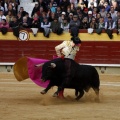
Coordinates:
36 72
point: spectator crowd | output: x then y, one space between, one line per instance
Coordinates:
63 15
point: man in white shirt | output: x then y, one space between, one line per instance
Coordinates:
2 16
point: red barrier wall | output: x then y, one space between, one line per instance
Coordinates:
100 52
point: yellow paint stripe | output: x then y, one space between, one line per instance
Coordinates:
65 36
8 36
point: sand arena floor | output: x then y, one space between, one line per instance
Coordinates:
23 101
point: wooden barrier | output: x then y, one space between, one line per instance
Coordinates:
95 49
94 52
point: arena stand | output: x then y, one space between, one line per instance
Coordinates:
96 50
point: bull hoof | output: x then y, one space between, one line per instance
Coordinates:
43 92
55 95
77 98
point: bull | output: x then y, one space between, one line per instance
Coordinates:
83 77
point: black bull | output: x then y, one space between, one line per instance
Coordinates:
83 77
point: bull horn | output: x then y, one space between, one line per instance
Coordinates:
53 65
39 65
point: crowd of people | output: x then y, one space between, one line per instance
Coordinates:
62 15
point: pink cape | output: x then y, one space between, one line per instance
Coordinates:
36 72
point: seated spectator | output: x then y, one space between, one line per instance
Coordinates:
90 15
19 17
10 8
93 23
9 17
70 17
118 15
107 6
40 11
44 24
95 11
118 26
55 25
113 13
73 8
15 25
118 4
75 2
61 18
1 7
86 3
35 9
4 24
65 25
98 16
85 23
2 3
29 20
51 17
25 23
91 4
9 3
48 13
35 21
75 22
58 11
42 16
54 3
17 3
14 22
45 27
80 17
107 16
100 25
114 4
42 3
35 16
64 4
81 4
68 11
101 4
78 10
2 16
85 12
22 11
51 7
109 26
103 12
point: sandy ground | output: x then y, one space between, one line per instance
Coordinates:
23 101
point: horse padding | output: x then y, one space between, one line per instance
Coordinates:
20 69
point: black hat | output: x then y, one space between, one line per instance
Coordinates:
76 40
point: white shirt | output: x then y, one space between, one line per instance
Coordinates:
2 17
